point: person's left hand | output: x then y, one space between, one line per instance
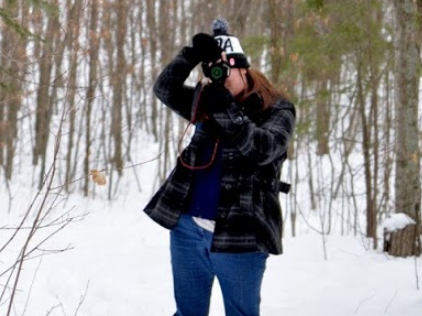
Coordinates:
216 98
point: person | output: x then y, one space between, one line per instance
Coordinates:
220 202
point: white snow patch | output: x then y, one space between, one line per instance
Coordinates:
397 221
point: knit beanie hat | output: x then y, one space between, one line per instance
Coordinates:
236 58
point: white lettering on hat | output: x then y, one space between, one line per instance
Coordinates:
229 44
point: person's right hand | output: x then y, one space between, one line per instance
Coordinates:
206 48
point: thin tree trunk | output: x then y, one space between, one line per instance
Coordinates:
43 101
92 83
276 49
118 86
13 60
152 27
142 112
388 159
72 32
366 148
322 118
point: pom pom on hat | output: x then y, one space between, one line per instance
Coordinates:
219 27
230 44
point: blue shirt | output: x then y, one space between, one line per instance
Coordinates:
206 182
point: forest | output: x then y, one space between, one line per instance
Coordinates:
78 116
76 100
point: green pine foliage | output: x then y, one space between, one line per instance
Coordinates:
254 45
330 36
48 8
8 18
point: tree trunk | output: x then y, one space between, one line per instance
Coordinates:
401 243
92 83
152 27
276 50
119 86
44 105
371 222
322 118
407 69
73 30
12 101
13 61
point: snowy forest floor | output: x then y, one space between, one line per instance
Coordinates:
119 265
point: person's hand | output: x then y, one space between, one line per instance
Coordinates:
215 98
253 103
206 48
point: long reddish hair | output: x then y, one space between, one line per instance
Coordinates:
257 82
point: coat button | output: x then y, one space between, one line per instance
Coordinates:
223 214
228 186
231 156
238 120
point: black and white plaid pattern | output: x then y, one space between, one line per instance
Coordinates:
249 214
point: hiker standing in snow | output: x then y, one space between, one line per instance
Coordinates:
221 200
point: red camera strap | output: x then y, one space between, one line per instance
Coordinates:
197 98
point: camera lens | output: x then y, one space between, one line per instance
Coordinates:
216 73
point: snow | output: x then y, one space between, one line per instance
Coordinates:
120 265
118 262
397 221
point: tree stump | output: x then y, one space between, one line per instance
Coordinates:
402 242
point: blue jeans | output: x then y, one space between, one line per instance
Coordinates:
194 268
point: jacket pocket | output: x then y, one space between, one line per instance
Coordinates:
266 206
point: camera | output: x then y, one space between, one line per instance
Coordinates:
217 72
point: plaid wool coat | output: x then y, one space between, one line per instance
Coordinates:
249 215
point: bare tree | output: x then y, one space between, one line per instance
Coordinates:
118 80
72 43
92 83
13 58
43 101
152 35
407 178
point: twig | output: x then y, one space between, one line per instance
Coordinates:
82 299
21 223
49 209
50 177
37 247
391 301
416 272
306 221
6 285
363 301
55 222
136 175
49 252
30 288
108 170
61 305
52 309
48 237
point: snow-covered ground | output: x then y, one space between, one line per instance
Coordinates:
119 265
